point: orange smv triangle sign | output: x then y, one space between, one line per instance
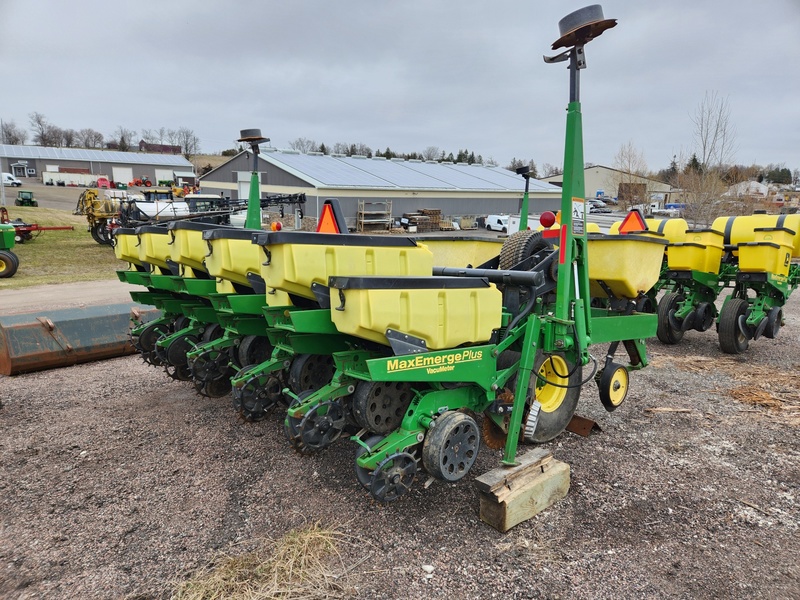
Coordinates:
327 221
633 222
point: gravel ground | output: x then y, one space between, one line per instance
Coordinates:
116 482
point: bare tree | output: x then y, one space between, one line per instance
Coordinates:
90 138
701 180
162 133
150 136
431 153
123 137
188 141
69 137
549 170
303 145
172 137
11 134
44 133
629 177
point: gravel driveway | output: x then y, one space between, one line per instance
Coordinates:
116 482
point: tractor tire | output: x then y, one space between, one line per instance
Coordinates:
147 183
666 333
9 263
731 338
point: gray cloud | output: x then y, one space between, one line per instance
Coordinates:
407 74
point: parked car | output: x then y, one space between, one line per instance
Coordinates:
497 223
9 179
597 206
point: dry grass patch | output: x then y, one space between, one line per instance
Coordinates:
305 563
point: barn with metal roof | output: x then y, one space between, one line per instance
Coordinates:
406 186
49 165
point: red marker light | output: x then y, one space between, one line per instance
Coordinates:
547 219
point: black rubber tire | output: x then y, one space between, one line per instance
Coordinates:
310 372
774 322
254 350
553 422
444 459
665 332
519 246
731 339
614 378
9 263
211 332
370 409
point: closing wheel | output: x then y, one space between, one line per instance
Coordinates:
365 477
213 389
178 373
291 425
211 365
9 263
732 339
774 322
310 372
253 401
211 332
322 425
451 446
556 385
667 331
613 386
393 477
379 406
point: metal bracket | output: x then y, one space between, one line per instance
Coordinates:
405 343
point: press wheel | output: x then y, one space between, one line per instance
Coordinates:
310 372
254 350
613 386
451 446
291 425
379 406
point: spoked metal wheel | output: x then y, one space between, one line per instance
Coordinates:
379 407
365 477
253 401
213 389
310 372
178 372
451 446
291 425
393 477
322 425
211 365
145 343
613 386
733 335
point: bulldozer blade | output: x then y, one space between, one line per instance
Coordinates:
61 338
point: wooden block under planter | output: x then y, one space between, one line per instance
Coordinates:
511 495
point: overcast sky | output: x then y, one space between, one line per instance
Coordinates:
408 74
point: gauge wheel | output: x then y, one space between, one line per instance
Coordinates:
732 338
613 386
667 334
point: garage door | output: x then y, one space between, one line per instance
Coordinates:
122 174
164 175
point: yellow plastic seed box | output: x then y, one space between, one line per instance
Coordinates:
626 264
298 259
769 257
154 245
445 312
